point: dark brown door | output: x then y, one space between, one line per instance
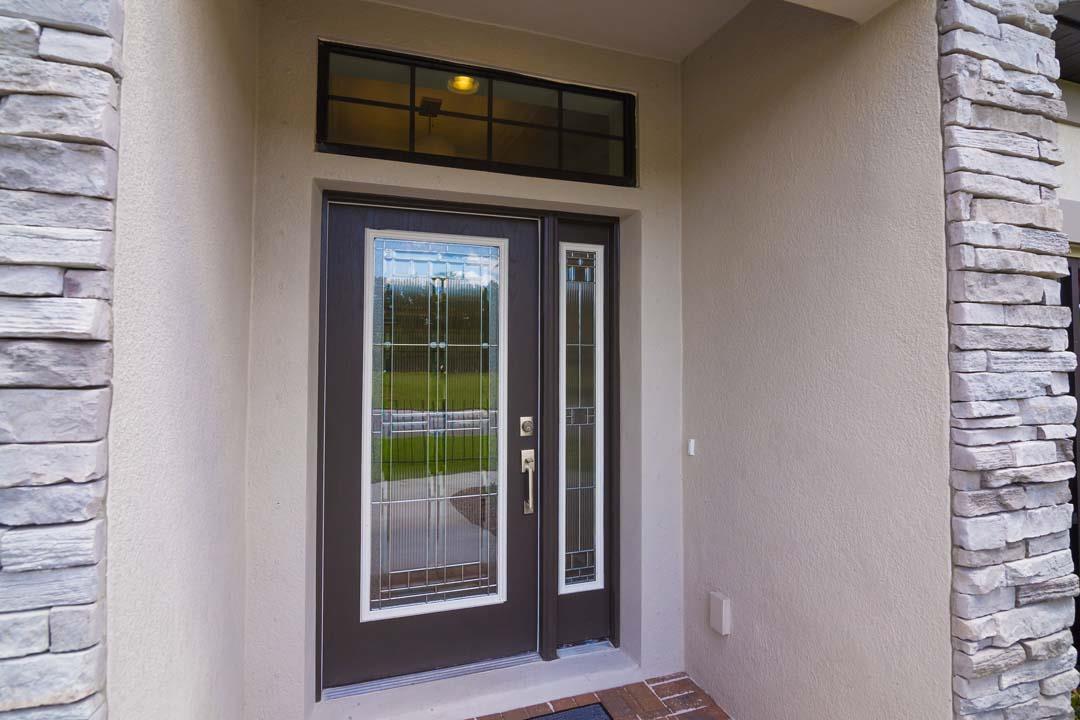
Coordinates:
429 359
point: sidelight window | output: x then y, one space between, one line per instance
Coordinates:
379 104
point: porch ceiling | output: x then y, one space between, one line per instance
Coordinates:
641 27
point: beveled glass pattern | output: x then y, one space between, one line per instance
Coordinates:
580 430
435 475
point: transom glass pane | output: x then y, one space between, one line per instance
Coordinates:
582 471
435 479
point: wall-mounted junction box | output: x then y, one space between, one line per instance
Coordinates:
720 613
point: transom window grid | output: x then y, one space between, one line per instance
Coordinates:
565 132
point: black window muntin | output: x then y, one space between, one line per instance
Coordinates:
322 144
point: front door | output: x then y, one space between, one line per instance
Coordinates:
429 528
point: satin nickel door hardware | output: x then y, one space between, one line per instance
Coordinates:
528 466
527 426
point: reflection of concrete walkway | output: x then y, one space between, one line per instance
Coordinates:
432 531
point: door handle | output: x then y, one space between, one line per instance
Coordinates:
528 466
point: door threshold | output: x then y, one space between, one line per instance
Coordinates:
429 676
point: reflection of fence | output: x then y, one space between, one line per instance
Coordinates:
410 423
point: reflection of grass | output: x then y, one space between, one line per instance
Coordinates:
419 456
420 390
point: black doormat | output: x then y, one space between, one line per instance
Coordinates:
588 712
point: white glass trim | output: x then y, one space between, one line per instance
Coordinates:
599 330
367 613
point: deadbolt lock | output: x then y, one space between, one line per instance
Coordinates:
527 427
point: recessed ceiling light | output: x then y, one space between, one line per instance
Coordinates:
463 84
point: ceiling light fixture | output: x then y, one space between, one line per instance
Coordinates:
463 84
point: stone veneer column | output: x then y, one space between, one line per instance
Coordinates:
59 126
1012 415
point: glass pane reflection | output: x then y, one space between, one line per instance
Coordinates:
435 476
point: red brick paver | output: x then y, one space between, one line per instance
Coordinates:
671 697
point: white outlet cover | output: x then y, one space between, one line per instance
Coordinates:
720 613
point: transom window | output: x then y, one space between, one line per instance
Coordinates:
379 104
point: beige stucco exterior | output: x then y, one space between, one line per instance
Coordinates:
815 373
782 303
183 286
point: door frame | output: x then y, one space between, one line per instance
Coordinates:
548 425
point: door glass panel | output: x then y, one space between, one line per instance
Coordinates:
436 471
581 475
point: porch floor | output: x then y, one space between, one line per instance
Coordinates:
671 696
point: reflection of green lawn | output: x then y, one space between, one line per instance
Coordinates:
422 455
421 390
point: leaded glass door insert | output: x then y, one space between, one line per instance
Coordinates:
434 497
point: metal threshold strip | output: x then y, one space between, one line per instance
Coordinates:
429 676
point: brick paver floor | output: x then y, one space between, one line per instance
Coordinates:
673 696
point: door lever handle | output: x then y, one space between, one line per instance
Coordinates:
528 466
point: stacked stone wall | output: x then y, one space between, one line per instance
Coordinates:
59 127
1012 412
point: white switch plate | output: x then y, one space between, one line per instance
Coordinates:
720 613
690 449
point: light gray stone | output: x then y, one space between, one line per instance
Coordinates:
51 678
1008 54
81 49
88 284
962 313
1041 452
999 386
973 606
46 588
31 280
1049 646
990 661
992 186
64 247
1008 627
1047 494
954 14
22 207
63 318
104 17
998 700
1041 708
961 111
1050 316
1066 682
965 480
1062 587
968 361
74 627
91 708
40 415
24 633
993 436
55 546
1029 571
20 75
1055 432
982 558
973 581
1045 216
982 458
1050 473
57 117
969 257
52 463
999 141
54 363
1007 362
1058 410
987 92
19 37
48 504
991 337
980 287
1038 669
50 166
1007 237
1047 543
983 423
984 502
972 410
1023 14
988 532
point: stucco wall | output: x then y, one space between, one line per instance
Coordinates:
280 633
183 262
815 369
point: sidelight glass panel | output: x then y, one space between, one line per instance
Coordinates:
435 492
581 476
